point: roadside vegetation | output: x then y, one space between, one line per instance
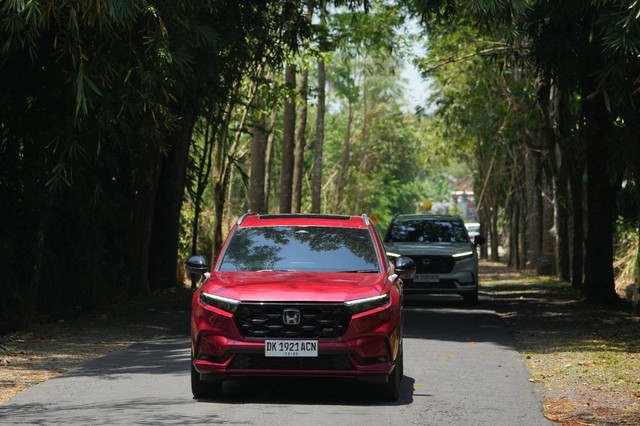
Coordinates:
132 133
586 357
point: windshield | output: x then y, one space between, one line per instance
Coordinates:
304 248
427 230
473 227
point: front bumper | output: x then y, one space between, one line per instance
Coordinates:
367 350
451 283
328 363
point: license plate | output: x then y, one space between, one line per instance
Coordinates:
426 278
291 348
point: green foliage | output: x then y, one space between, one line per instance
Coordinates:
506 60
94 94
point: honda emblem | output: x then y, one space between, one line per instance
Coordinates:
291 317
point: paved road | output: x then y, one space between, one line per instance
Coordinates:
460 369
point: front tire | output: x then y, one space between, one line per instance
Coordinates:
390 391
202 388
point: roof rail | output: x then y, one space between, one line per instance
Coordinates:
249 213
366 219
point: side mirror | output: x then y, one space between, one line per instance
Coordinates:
197 265
479 240
405 266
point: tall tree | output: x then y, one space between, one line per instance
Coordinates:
301 131
316 182
117 90
257 200
585 48
288 140
301 127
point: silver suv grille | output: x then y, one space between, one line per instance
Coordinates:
434 264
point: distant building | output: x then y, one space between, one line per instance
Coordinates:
461 203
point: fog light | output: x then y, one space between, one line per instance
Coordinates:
374 360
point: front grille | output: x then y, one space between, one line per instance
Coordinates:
317 320
434 264
260 362
440 285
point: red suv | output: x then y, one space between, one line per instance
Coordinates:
299 295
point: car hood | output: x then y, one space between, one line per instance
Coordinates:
268 286
428 249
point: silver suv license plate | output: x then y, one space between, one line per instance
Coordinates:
291 348
426 278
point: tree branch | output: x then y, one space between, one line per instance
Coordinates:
453 60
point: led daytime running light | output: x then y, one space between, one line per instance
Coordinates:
366 304
223 303
463 254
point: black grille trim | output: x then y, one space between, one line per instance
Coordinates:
434 264
261 362
442 284
317 320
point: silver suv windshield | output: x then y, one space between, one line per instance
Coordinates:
427 231
300 248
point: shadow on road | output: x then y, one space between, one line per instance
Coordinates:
447 318
304 391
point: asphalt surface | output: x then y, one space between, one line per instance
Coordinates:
461 368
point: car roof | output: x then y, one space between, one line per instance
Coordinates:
296 219
422 216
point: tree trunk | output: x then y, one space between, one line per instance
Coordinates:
534 207
563 171
316 188
343 173
288 141
165 237
524 238
514 237
146 187
271 141
575 169
546 261
635 298
631 120
225 154
577 250
202 180
218 172
599 284
35 279
301 130
546 264
257 201
495 235
218 208
561 215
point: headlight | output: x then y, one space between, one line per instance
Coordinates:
463 255
222 303
362 305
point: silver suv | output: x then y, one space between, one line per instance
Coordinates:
445 257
